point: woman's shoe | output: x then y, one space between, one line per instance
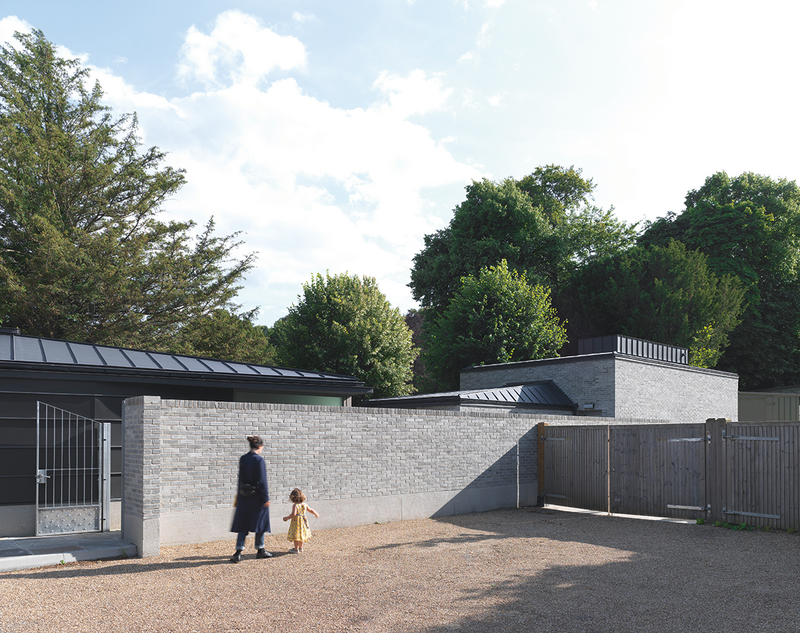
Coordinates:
262 553
237 556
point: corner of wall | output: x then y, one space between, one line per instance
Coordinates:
141 474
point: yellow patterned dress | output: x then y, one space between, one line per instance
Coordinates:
298 528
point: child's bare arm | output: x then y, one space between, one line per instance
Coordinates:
293 514
312 511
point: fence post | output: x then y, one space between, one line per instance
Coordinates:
540 464
716 463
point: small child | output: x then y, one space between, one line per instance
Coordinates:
299 532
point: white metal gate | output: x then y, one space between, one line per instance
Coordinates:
73 471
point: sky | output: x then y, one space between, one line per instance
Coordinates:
335 135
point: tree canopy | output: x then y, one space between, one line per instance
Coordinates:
665 294
344 324
225 335
542 225
82 253
494 317
749 226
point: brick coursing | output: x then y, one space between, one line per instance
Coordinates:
623 386
330 452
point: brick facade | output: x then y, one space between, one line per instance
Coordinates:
622 386
356 465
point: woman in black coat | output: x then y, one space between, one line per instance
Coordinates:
252 500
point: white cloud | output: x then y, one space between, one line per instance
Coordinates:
313 186
9 25
239 44
303 17
484 39
415 94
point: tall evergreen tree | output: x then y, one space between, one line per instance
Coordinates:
664 294
82 253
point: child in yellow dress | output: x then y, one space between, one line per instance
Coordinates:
299 532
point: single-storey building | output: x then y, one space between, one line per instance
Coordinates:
81 388
612 376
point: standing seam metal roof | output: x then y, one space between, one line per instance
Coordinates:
32 349
540 393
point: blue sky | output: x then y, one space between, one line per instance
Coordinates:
335 135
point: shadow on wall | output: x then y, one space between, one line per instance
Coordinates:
510 482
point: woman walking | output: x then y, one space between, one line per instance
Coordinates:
252 500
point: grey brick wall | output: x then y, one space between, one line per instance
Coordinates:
334 452
356 465
584 380
624 386
679 393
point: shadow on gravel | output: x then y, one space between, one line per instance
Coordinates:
654 576
87 569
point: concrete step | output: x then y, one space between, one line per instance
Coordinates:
41 551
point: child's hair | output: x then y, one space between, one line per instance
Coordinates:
297 496
255 441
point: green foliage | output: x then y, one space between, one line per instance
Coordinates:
736 527
224 335
749 226
541 225
667 295
82 255
701 521
496 317
421 380
343 324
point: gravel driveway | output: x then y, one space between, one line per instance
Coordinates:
532 569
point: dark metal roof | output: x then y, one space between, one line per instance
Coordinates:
16 350
541 394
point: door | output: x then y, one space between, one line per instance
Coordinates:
73 492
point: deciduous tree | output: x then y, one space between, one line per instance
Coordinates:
344 324
749 226
494 317
664 294
542 225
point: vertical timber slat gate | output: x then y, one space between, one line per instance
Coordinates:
73 472
737 472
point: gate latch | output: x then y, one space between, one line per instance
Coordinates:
42 477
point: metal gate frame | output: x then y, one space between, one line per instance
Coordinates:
82 501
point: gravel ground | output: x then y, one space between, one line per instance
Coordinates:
532 569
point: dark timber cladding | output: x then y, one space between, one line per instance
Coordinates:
732 472
633 347
93 381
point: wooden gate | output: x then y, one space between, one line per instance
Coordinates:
762 475
734 472
656 470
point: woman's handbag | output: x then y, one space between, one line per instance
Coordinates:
248 490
